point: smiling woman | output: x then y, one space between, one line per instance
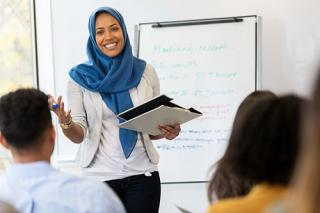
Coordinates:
109 35
110 82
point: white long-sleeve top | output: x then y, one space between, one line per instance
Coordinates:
102 134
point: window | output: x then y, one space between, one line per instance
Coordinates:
16 49
16 53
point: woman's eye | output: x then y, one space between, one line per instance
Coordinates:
99 32
114 29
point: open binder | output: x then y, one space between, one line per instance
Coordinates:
147 117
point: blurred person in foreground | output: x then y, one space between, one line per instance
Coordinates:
304 196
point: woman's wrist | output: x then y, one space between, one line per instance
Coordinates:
156 137
67 124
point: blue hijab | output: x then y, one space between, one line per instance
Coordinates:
111 77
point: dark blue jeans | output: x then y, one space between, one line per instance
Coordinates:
139 193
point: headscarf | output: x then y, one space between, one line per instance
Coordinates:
112 77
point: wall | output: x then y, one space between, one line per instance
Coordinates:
290 35
290 47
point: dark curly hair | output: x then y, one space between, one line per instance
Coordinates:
24 116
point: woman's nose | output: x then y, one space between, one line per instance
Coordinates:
107 35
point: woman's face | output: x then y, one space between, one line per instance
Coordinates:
109 35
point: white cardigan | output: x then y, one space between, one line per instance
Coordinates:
86 110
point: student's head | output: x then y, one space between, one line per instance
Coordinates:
26 126
263 145
108 30
252 98
224 183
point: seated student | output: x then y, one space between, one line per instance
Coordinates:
224 183
263 149
31 184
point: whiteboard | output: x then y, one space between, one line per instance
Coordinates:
210 67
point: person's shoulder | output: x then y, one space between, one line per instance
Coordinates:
150 74
240 204
72 85
149 68
228 205
6 192
95 195
104 196
82 184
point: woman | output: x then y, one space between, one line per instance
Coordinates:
224 183
110 82
263 149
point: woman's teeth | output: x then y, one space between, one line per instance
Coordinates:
110 46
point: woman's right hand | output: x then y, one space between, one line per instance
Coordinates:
72 130
63 116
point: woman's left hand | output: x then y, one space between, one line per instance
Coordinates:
170 131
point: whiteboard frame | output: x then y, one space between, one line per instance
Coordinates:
258 48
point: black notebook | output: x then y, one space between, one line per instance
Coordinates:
148 116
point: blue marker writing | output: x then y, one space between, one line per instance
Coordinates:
55 106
